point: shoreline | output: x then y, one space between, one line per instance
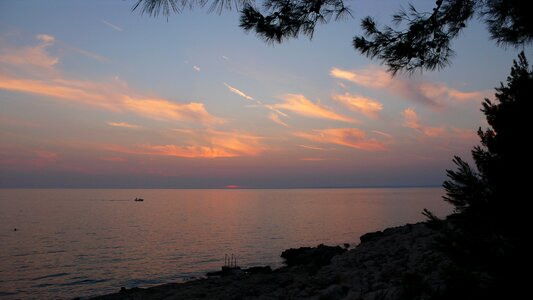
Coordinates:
388 264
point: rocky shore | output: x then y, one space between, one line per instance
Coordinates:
397 263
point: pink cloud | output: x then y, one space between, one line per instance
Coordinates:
123 125
303 106
111 96
366 106
371 77
411 121
349 137
36 56
276 119
238 92
201 144
434 94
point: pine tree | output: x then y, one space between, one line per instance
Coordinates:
489 234
498 186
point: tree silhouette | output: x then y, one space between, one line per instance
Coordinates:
499 182
489 235
417 41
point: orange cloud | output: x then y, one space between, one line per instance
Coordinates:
312 147
238 92
440 91
165 110
411 121
111 96
202 144
371 77
366 106
434 94
123 124
275 118
301 105
349 137
35 56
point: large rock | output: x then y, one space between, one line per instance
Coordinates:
316 256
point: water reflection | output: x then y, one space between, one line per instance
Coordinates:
81 242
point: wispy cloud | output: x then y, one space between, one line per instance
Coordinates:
312 147
303 106
371 77
162 109
434 94
112 96
89 54
21 158
238 92
441 91
202 144
349 137
224 57
364 105
276 119
274 114
36 56
123 125
411 121
196 68
111 25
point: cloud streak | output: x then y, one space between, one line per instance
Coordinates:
111 25
113 95
34 56
301 105
274 114
276 119
348 137
238 92
367 106
411 121
202 144
123 125
429 93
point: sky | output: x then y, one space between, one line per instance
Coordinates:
93 95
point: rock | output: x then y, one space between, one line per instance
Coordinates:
317 256
397 263
257 270
371 236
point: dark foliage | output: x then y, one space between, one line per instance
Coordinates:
500 180
424 44
488 238
167 7
288 18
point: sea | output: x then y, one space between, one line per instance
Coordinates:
66 243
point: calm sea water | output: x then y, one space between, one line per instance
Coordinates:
73 242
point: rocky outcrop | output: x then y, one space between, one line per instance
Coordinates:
397 263
317 256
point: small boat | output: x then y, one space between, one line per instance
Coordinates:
138 199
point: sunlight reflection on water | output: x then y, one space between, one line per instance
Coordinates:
72 243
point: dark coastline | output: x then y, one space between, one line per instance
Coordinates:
397 263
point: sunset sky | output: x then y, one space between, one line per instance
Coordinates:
95 95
